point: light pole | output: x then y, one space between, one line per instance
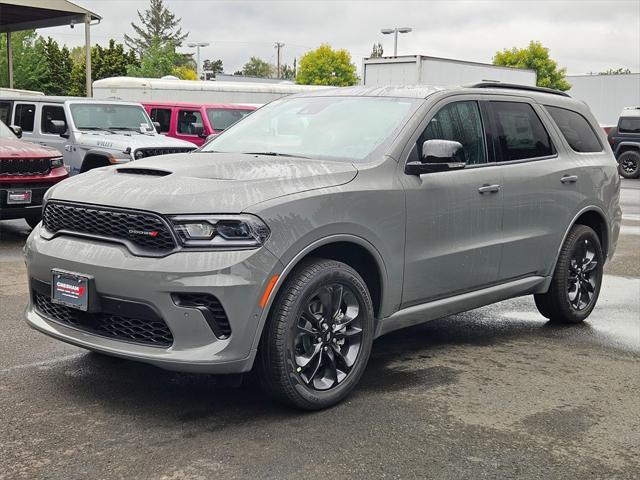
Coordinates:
395 31
197 46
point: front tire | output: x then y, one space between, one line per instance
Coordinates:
629 164
318 338
576 281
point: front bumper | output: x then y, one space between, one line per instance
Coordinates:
38 186
236 278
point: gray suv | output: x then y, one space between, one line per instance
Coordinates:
89 133
322 221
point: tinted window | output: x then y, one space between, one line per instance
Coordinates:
5 112
576 130
24 116
49 113
520 133
163 117
629 125
460 122
222 118
188 120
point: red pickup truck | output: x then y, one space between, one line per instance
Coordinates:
27 170
194 122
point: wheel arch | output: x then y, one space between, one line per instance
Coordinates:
593 217
353 250
95 159
627 146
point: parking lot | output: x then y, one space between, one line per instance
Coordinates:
493 393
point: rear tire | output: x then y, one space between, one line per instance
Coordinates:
577 278
317 340
629 164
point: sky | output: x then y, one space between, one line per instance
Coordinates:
582 35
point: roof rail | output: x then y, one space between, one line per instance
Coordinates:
514 86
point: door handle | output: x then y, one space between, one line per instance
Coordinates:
569 179
489 189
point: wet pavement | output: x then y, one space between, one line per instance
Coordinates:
493 393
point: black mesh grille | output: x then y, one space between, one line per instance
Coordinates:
25 166
210 307
152 152
119 327
144 230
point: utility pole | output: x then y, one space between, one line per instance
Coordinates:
278 46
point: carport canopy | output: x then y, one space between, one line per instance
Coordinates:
16 15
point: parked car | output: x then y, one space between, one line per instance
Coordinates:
89 133
194 122
625 142
322 221
26 172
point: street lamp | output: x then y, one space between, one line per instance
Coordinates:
197 46
395 31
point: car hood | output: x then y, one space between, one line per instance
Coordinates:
201 182
133 140
13 148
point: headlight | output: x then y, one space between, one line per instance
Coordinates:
220 231
56 162
139 154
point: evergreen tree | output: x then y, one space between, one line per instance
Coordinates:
158 28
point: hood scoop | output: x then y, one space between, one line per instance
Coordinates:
144 171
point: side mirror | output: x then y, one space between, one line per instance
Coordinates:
438 156
156 125
198 129
58 126
16 130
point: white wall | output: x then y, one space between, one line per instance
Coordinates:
606 95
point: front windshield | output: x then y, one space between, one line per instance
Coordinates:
104 116
335 127
222 118
5 132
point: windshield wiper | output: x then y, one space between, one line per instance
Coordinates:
275 154
127 129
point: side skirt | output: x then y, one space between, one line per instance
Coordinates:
417 314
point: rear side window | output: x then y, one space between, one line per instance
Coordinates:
188 120
519 132
575 129
24 116
50 112
163 117
5 112
222 118
629 125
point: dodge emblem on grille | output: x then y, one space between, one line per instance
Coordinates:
148 233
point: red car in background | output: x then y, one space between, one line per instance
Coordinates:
27 170
192 121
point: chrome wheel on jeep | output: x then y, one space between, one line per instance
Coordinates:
327 337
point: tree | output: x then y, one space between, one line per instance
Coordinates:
28 66
159 27
377 51
617 71
184 73
157 62
325 66
214 66
535 57
287 72
256 67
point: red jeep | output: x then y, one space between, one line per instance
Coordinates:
27 170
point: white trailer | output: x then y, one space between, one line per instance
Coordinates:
167 90
420 69
606 95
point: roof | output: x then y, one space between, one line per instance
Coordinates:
205 105
16 15
424 91
415 58
55 99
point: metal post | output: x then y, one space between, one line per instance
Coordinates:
198 68
9 60
87 47
395 43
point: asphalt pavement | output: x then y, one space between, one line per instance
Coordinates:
496 392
